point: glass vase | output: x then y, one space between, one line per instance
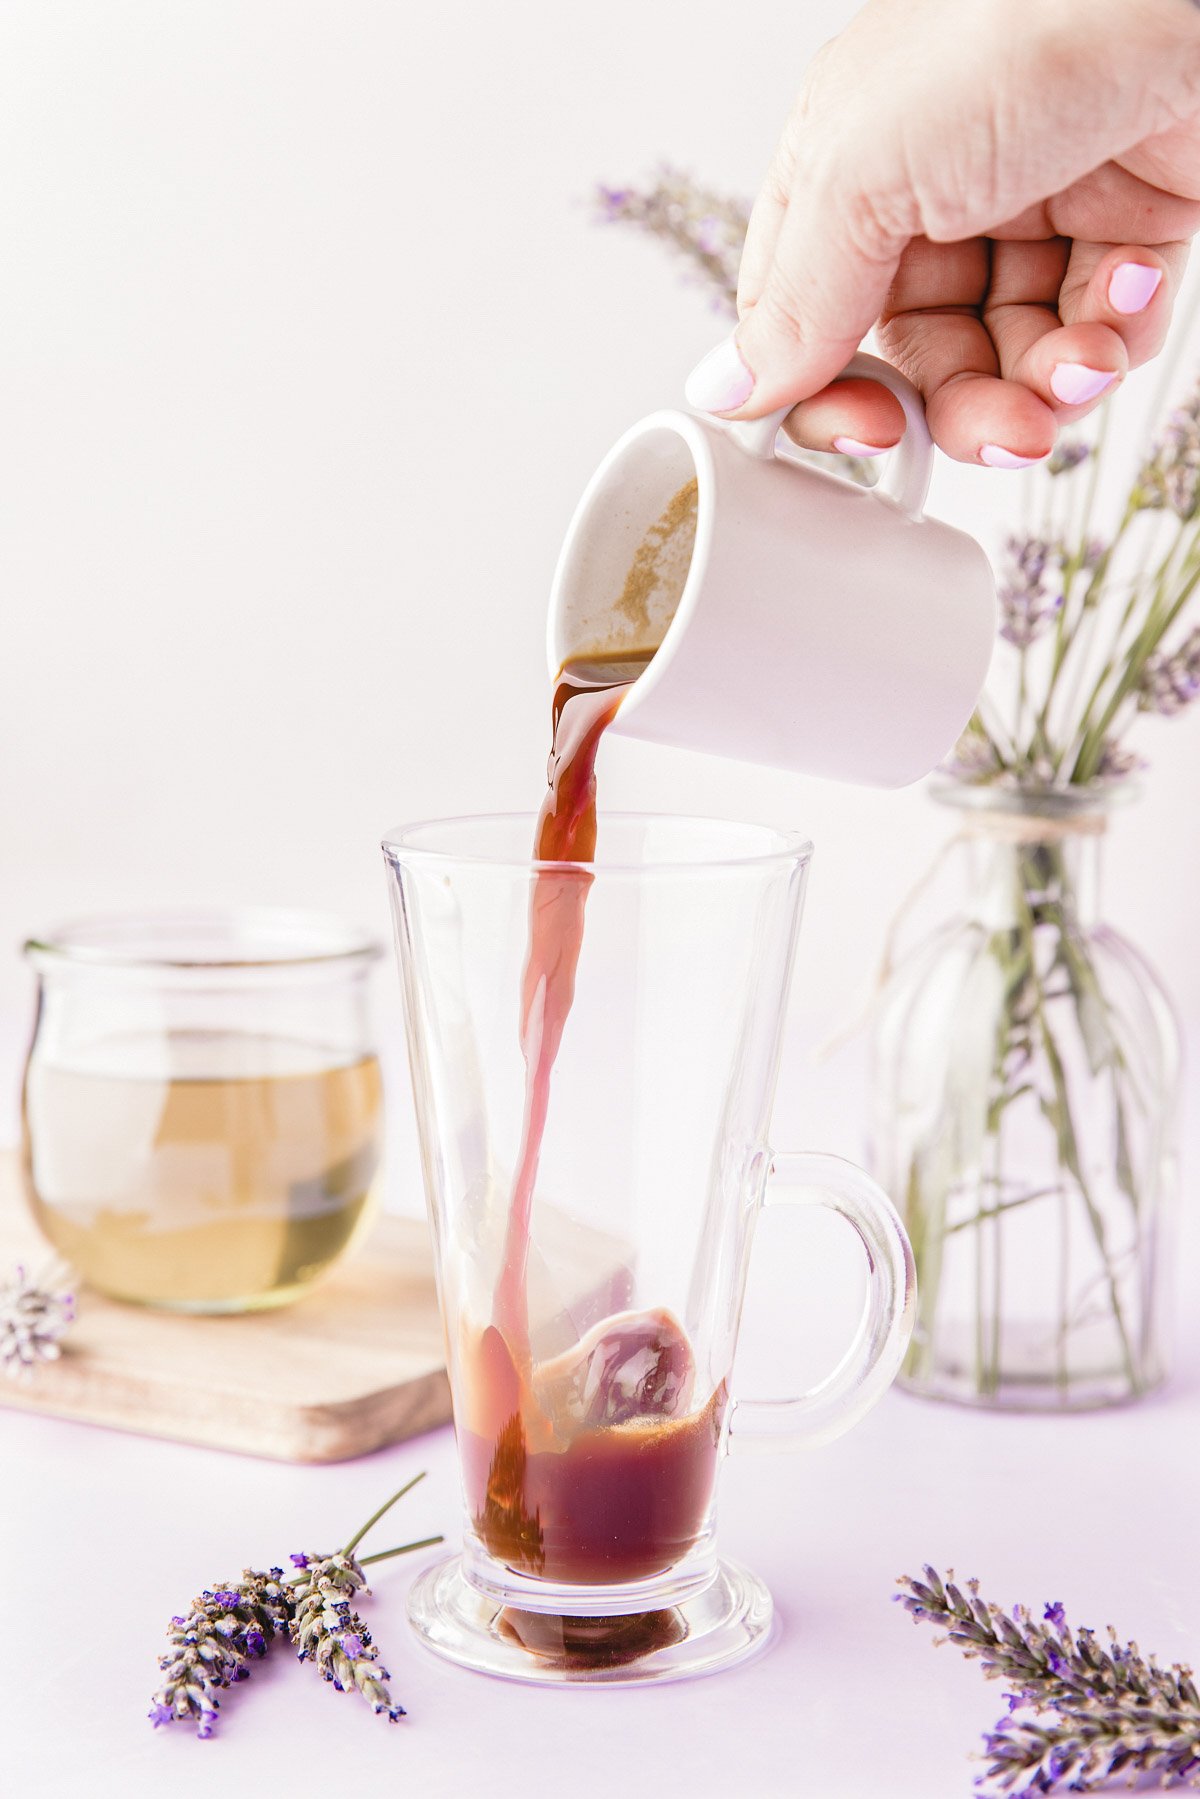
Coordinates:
1025 1070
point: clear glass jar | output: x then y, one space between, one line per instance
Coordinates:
1024 1083
202 1108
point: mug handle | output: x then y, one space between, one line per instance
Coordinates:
907 479
873 1359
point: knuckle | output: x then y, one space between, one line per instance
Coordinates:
781 308
933 351
877 220
902 349
1072 295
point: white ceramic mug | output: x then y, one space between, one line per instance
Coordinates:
812 625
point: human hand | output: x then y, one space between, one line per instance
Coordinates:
1005 192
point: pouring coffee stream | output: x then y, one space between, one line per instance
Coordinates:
586 699
592 1466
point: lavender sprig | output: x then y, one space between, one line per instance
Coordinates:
32 1319
705 227
1171 477
1117 763
1085 1748
233 1624
1066 455
1079 1713
974 757
1171 679
211 1648
326 1630
1030 588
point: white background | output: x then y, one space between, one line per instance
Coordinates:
308 343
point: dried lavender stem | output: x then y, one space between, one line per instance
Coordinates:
1067 642
384 1555
1068 1140
1144 646
385 1507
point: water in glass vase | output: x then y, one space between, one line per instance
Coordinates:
1026 1064
202 1171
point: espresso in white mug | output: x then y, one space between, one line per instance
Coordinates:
786 616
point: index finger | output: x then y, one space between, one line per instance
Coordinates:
766 218
823 292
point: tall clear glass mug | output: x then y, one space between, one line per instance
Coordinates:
589 1457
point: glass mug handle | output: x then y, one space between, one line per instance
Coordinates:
873 1359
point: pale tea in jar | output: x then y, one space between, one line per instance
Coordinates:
202 1105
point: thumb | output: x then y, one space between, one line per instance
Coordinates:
824 287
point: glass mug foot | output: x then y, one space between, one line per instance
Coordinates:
729 1620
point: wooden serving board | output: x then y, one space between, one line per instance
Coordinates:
357 1363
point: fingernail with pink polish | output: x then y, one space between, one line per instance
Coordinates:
850 446
1132 286
1075 384
721 382
996 456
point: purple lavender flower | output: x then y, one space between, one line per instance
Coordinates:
1029 588
710 236
1079 1715
1171 477
232 1623
208 1650
613 201
705 227
1117 763
1171 679
1067 456
328 1633
32 1319
973 758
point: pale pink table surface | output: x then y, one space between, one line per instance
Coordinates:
104 1536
